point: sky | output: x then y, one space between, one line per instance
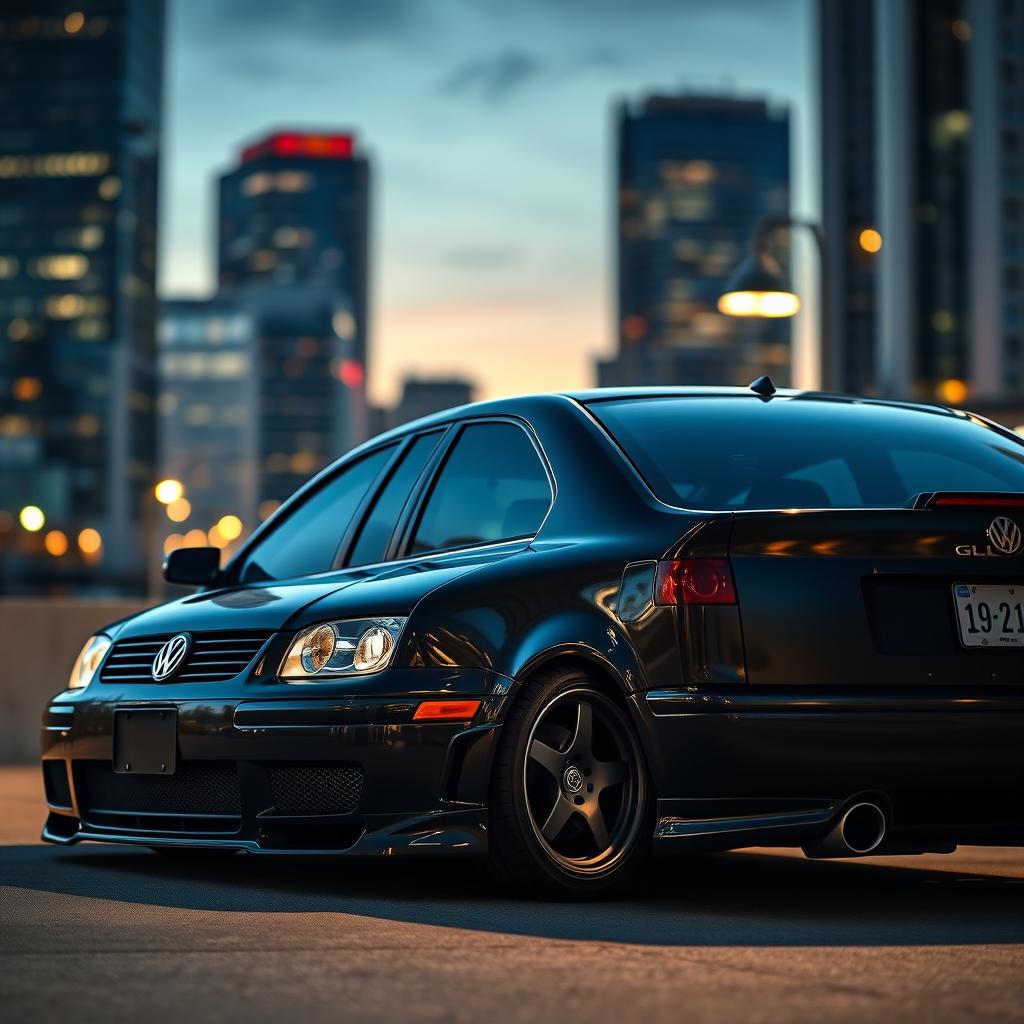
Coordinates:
489 125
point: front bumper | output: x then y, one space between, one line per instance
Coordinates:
287 770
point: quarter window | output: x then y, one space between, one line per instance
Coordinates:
307 540
492 487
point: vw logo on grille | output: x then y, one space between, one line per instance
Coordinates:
171 656
1004 536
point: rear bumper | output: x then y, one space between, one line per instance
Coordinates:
298 775
745 765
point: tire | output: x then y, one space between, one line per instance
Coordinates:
569 797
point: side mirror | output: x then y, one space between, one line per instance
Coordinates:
197 567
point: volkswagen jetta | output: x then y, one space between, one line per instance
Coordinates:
562 632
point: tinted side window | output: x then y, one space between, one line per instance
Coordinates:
492 487
307 540
376 532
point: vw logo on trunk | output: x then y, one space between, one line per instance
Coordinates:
1004 536
171 656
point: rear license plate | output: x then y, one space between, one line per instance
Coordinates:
145 741
990 616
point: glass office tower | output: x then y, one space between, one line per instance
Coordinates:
80 113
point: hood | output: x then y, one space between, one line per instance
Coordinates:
380 590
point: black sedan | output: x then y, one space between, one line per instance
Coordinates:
563 632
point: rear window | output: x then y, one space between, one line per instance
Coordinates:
724 453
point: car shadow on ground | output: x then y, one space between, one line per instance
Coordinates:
714 900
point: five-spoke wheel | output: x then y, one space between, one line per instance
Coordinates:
578 792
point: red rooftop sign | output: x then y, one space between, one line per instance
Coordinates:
292 144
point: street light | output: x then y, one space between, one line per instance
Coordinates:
758 287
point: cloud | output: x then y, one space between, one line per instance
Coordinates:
497 76
493 78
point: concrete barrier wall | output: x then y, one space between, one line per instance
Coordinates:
39 641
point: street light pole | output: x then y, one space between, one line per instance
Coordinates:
759 275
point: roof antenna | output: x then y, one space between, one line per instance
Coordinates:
763 386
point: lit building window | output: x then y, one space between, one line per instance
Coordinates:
344 324
19 330
292 238
8 266
256 184
91 237
198 415
66 307
87 425
264 259
60 266
27 389
91 329
14 425
54 165
293 181
110 187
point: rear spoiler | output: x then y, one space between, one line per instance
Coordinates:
967 499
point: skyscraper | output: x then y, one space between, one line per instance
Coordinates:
209 416
293 253
80 114
695 173
923 195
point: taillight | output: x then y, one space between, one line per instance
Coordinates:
695 581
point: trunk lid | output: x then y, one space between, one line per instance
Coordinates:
866 597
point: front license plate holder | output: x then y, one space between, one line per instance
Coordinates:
145 741
990 616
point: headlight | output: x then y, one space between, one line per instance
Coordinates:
88 661
349 648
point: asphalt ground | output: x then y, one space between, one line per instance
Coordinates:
113 934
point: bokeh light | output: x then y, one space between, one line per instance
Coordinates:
32 518
90 541
168 490
56 543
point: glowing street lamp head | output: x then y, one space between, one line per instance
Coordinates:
758 288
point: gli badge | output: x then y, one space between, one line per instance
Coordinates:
1004 538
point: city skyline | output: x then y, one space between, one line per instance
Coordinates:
492 215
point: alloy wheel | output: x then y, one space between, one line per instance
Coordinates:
583 781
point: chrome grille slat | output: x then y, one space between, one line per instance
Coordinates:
213 657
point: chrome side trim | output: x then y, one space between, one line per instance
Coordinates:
753 700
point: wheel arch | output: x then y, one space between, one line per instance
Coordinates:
583 639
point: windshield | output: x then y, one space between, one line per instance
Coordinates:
739 452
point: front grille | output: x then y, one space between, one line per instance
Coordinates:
315 788
197 787
213 657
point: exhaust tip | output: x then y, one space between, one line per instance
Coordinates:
862 827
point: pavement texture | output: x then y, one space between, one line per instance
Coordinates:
106 933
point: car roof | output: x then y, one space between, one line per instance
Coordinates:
520 405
